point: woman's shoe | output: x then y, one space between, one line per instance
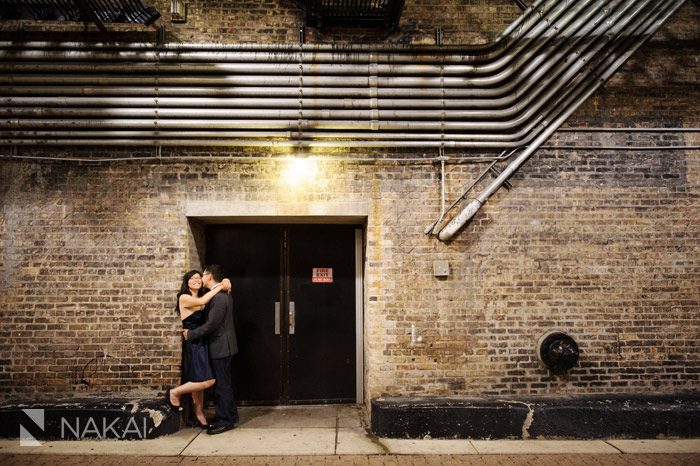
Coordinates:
200 425
172 406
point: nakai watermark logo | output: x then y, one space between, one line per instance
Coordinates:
78 428
25 438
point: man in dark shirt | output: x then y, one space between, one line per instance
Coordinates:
221 334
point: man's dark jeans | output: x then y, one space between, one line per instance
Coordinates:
225 403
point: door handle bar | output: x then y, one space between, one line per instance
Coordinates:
277 318
292 319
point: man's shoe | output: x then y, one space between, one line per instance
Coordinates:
219 428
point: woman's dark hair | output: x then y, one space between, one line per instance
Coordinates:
185 289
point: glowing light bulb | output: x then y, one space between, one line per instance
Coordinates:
300 171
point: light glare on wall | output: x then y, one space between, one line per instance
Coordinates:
300 171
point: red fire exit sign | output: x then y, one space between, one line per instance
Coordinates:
322 275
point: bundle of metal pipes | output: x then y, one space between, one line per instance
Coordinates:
512 93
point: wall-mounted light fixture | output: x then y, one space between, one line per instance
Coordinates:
178 11
300 171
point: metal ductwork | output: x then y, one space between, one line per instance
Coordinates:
511 94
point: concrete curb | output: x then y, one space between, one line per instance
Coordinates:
88 418
574 417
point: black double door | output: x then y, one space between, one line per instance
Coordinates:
294 307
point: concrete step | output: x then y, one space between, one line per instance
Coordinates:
638 416
93 417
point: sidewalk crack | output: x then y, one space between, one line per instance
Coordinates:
622 452
190 442
337 425
373 438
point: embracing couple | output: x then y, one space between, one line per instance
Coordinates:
210 343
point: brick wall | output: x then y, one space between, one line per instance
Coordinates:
277 21
601 244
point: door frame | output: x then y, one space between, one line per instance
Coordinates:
359 316
200 214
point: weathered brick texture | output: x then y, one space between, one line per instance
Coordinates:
601 244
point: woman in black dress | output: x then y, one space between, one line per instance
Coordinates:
197 374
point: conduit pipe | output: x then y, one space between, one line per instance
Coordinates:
337 103
364 144
461 159
317 80
312 92
315 68
462 127
538 37
470 210
318 114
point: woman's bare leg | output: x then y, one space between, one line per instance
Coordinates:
189 387
198 401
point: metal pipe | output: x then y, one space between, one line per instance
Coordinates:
348 108
434 228
354 115
421 115
326 103
470 210
442 183
636 129
286 55
310 135
209 158
305 144
160 103
322 69
390 92
257 113
522 27
621 148
225 142
156 56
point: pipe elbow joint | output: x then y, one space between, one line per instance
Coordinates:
460 220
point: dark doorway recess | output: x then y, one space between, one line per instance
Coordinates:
294 307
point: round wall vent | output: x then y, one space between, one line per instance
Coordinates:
557 351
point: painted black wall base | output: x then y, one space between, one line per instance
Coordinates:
578 417
78 418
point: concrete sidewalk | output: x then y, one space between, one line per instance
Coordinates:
360 460
338 434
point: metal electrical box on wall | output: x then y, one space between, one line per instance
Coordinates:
441 268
